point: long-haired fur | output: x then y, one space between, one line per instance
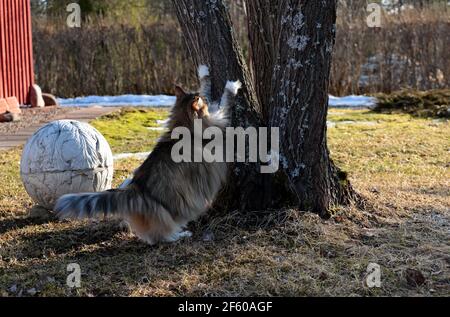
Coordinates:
164 196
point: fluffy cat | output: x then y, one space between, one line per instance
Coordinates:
164 196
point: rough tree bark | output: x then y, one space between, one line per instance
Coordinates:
291 45
264 31
295 39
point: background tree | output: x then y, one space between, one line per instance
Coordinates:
291 43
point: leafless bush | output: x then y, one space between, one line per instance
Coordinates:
410 50
109 57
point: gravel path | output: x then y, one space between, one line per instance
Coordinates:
17 133
32 117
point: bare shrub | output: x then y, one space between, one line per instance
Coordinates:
107 59
409 51
110 56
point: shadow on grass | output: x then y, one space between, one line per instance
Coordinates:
442 191
113 263
11 224
57 241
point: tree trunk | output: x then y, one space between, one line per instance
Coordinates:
263 26
296 44
291 44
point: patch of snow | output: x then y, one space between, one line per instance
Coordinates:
168 101
158 129
352 102
123 156
162 122
119 101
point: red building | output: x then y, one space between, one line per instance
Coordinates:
16 51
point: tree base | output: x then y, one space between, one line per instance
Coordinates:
274 192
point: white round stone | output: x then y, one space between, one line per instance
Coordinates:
65 157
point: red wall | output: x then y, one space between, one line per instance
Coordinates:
16 51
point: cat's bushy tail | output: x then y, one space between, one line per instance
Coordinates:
91 205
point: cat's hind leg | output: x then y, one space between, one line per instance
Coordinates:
178 236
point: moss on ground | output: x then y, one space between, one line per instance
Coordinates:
127 131
433 103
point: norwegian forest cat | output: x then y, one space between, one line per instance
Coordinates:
164 196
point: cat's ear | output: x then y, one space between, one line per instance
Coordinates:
179 92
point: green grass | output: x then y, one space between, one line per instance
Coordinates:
400 165
341 115
127 130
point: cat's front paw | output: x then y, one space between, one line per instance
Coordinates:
203 71
233 87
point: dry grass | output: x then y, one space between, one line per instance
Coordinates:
400 165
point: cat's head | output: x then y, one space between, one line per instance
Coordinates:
189 106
